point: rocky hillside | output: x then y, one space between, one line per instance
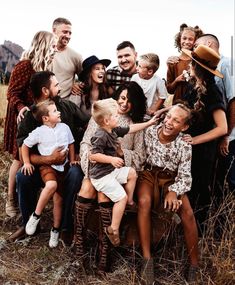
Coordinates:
9 55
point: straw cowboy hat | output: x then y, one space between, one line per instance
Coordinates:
89 62
206 57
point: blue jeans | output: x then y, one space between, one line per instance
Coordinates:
29 185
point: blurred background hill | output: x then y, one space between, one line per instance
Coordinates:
10 54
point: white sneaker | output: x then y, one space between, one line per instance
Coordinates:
31 225
54 239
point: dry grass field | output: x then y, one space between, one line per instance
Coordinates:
32 262
3 102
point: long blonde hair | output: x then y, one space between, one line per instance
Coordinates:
40 51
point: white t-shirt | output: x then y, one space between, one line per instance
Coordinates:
154 88
48 139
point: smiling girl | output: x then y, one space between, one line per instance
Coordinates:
177 68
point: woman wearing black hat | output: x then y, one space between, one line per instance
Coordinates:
93 76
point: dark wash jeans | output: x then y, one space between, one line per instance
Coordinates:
28 186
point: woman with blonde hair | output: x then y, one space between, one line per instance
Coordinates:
37 58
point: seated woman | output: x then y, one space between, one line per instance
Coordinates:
132 107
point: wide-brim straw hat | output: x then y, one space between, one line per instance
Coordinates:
206 57
89 62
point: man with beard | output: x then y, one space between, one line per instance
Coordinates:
44 85
67 63
126 56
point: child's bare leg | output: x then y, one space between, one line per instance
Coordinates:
45 196
118 210
130 185
57 209
145 197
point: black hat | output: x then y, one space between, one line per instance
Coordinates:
89 62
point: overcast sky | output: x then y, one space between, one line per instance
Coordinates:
99 26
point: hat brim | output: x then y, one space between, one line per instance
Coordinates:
214 71
105 62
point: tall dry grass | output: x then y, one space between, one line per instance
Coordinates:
3 102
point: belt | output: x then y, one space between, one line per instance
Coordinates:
163 172
163 178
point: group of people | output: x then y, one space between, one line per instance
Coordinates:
106 139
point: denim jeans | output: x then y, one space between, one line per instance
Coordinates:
29 185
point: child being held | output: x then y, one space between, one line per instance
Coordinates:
107 171
51 135
153 86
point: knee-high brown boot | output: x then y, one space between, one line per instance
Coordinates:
82 210
105 209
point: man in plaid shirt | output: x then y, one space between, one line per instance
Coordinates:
122 73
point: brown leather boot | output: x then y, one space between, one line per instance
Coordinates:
106 218
82 211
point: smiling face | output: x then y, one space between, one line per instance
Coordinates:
63 32
98 73
124 106
127 59
187 39
174 122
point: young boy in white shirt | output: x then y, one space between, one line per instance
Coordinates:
153 86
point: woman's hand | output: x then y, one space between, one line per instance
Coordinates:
171 202
223 146
180 78
153 120
20 116
187 138
27 168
